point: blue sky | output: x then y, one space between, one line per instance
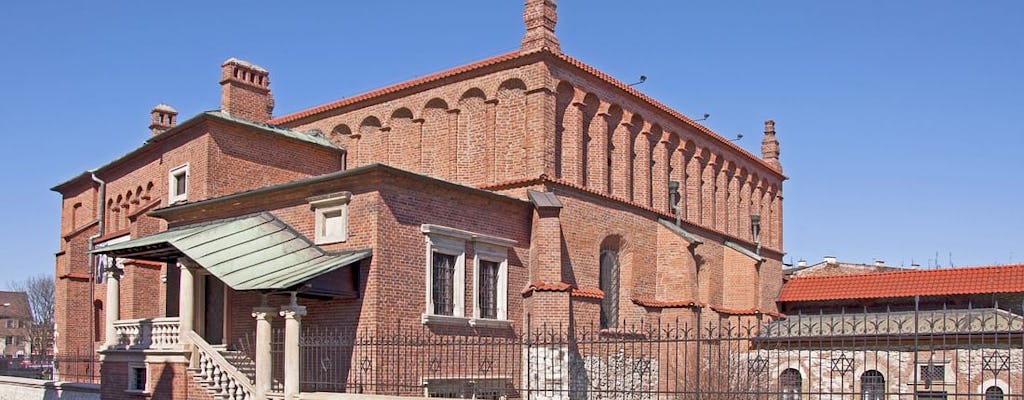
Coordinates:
899 121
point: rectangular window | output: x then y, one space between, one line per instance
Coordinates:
933 373
488 289
137 378
331 225
443 278
447 299
178 184
930 395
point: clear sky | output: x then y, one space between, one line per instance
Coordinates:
900 122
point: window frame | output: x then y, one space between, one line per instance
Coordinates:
786 379
133 370
452 246
872 380
490 253
172 183
454 242
327 204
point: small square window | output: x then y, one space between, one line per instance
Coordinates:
177 184
137 378
331 224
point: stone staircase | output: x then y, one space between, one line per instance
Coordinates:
224 374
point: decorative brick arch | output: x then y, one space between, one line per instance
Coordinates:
405 140
511 143
438 138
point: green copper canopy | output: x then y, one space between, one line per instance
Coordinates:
257 252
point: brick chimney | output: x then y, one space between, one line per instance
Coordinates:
163 117
770 146
540 18
245 91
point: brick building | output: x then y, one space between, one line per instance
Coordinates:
527 188
929 334
15 319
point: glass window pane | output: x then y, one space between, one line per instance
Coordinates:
443 276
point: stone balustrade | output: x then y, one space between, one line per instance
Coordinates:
147 334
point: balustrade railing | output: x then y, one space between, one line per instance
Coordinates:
217 373
147 334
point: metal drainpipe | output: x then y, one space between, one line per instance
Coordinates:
100 216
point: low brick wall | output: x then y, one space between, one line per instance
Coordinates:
13 388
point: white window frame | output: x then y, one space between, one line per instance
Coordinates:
327 204
453 246
451 241
497 254
132 371
172 187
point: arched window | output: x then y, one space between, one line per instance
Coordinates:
609 281
994 393
872 385
789 384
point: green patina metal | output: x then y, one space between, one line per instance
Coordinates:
257 252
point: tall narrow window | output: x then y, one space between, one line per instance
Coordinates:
443 274
789 384
609 281
872 385
488 289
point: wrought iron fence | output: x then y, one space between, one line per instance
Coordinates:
963 353
80 367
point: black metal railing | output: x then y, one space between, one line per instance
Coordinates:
945 353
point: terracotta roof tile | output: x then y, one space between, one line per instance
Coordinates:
541 286
941 282
746 311
654 303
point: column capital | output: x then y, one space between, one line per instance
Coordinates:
263 313
187 263
293 312
113 272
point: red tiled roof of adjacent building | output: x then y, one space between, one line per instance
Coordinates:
940 282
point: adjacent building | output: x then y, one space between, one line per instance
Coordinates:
15 321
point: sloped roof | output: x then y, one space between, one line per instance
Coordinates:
14 305
207 115
941 282
257 252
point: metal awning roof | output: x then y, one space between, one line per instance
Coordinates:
257 252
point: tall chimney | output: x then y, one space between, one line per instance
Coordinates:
540 18
831 260
163 117
245 91
770 146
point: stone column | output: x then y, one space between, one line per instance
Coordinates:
186 298
292 329
113 304
263 360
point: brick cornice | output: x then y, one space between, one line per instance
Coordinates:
544 179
